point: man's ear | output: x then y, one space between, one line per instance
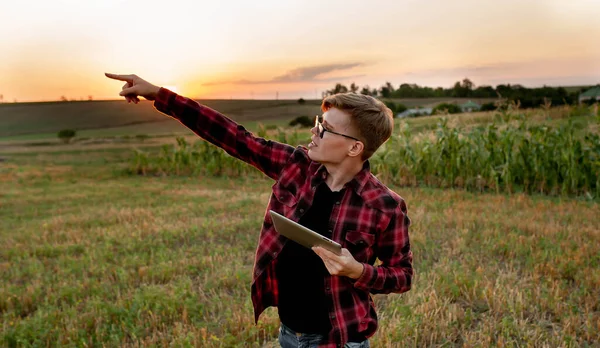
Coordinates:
356 149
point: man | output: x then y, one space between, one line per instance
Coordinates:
322 299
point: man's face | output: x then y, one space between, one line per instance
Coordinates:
332 147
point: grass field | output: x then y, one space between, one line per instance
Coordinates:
94 257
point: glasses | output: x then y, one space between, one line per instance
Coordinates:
321 130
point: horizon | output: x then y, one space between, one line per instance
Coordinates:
83 99
292 50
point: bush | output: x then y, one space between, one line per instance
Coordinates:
303 121
66 135
301 101
488 107
447 108
391 105
400 108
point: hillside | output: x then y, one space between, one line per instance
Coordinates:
39 118
29 119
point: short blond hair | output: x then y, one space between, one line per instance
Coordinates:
373 120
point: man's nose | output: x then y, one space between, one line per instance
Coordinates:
314 130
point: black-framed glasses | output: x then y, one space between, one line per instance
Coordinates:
321 130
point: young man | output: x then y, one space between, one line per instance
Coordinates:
323 299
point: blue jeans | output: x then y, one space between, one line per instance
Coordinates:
290 339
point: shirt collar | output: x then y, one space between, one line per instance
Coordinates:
357 183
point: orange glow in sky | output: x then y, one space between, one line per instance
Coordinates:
296 48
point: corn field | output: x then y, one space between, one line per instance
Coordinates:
200 158
503 158
509 154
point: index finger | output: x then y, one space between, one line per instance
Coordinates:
127 78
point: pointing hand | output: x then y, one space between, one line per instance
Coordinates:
135 86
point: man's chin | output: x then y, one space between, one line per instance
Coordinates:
312 156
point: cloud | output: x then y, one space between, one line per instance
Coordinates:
467 70
304 74
558 67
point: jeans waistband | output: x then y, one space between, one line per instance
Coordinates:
287 330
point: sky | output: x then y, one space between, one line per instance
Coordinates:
293 48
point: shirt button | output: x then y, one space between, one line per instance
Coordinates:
338 202
257 273
301 210
332 316
274 254
330 231
327 289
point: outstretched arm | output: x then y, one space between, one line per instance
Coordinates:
267 156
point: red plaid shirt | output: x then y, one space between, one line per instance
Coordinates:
370 220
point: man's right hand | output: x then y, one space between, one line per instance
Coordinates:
134 87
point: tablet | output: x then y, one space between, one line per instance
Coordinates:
303 235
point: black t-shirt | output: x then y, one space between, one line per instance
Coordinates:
303 305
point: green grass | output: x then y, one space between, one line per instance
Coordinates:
92 257
167 127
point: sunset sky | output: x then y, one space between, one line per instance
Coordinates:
254 49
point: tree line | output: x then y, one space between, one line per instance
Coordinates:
527 97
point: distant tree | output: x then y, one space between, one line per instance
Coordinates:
63 98
467 84
458 91
1 98
90 98
484 92
353 87
389 86
66 135
504 91
301 101
527 97
339 88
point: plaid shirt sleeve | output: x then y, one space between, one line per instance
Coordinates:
267 156
395 272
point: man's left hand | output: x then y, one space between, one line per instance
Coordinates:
340 265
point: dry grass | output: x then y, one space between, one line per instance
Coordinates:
94 258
